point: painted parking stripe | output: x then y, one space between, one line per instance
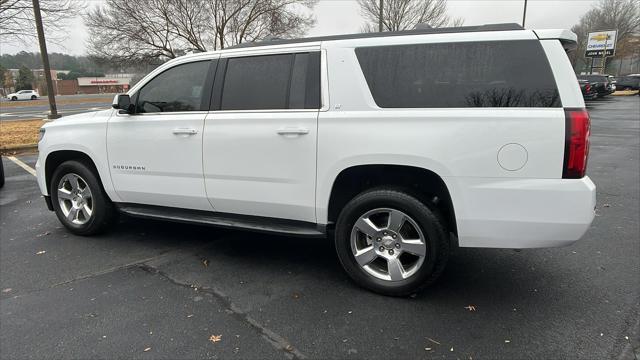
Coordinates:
18 162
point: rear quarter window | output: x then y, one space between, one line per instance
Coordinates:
461 75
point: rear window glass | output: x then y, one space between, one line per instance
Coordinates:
468 74
286 81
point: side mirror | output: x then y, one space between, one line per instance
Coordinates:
122 102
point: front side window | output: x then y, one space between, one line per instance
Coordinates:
179 88
461 75
272 82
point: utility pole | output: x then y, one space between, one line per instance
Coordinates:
53 111
380 24
604 56
524 14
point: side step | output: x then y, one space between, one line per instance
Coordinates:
251 223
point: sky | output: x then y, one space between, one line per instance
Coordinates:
343 17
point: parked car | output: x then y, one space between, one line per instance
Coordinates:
23 95
588 92
629 82
600 83
396 144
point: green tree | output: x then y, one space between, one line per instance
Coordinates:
25 79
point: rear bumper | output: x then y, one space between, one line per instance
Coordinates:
522 213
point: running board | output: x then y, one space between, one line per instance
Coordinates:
245 222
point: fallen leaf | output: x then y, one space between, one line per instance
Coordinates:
44 234
190 315
205 262
470 307
40 252
215 338
451 349
296 296
289 348
427 349
147 349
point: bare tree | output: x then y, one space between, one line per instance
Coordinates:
621 15
406 14
17 24
152 30
238 21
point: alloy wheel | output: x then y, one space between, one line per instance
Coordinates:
388 244
75 199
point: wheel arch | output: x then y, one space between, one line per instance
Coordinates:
55 158
423 183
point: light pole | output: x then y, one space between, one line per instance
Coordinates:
380 17
53 111
524 14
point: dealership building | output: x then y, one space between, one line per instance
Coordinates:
100 85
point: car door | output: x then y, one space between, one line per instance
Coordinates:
260 141
155 154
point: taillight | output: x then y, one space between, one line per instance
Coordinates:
588 87
576 146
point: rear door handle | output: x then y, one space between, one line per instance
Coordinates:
185 131
292 131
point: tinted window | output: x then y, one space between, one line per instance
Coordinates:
287 81
179 88
472 74
259 82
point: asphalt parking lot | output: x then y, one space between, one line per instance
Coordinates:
27 109
158 290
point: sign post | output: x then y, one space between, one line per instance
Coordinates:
601 44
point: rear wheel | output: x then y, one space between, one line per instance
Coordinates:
79 200
390 242
33 97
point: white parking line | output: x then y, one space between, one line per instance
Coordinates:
18 162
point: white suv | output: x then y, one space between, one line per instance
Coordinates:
400 145
23 95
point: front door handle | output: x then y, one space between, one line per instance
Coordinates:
293 131
185 131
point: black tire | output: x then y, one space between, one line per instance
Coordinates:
14 98
33 97
103 212
1 173
430 223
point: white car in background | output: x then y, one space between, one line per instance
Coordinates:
24 95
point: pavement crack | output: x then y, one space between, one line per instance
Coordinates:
273 338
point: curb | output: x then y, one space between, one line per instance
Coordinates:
625 93
17 149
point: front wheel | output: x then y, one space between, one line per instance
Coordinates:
390 242
79 200
14 98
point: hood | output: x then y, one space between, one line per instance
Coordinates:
82 117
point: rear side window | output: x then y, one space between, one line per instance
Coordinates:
468 74
283 81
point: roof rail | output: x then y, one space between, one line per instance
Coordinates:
420 31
